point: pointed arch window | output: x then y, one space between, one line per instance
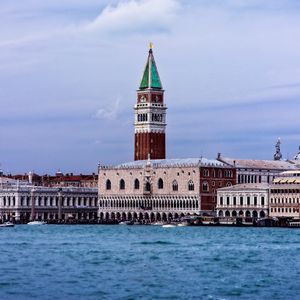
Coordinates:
175 185
148 186
136 184
108 184
160 183
205 187
191 185
122 184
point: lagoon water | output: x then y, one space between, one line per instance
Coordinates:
148 262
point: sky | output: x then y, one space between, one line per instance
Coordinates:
69 70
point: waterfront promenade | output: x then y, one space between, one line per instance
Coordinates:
149 262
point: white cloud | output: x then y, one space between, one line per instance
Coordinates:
56 54
109 112
136 15
131 16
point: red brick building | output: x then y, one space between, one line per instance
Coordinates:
211 179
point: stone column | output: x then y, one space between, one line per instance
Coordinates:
1 207
18 207
32 196
59 204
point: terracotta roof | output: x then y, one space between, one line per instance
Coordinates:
53 178
74 178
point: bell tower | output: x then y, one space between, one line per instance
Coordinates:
150 115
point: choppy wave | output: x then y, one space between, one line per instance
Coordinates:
109 262
157 243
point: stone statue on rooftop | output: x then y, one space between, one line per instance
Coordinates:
277 155
297 156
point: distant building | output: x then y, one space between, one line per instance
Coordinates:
71 180
244 201
58 180
280 199
21 202
285 195
257 171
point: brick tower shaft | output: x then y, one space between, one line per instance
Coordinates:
150 115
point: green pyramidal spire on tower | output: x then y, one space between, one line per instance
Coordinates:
150 77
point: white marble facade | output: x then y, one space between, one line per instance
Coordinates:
23 202
243 200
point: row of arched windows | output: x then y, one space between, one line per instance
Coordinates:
285 200
154 117
142 117
9 201
51 201
241 201
191 186
227 173
285 209
157 117
151 204
160 185
241 213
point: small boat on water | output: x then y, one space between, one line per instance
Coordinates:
169 226
37 223
126 223
183 224
157 224
7 224
207 220
247 223
294 224
226 222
